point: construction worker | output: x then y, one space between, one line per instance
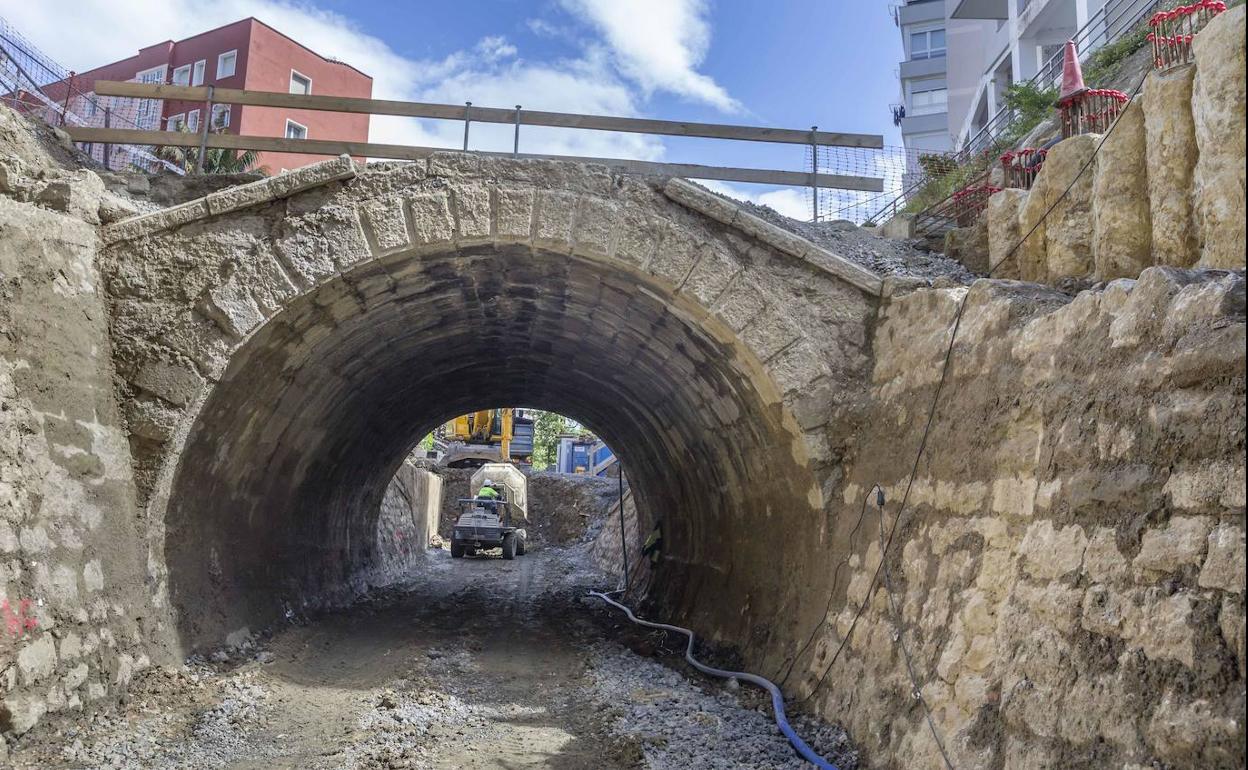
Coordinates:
487 491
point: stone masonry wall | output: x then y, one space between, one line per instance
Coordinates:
1068 577
1166 187
77 621
407 523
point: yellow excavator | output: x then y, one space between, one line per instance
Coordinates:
486 436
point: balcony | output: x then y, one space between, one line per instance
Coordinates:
920 13
922 68
981 9
924 124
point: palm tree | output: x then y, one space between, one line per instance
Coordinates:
217 160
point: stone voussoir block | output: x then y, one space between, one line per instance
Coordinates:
473 212
432 222
595 226
384 221
556 215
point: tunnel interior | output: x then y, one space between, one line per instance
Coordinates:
275 495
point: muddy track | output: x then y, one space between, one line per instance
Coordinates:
475 663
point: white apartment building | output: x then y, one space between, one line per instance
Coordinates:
961 55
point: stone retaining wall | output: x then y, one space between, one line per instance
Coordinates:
1068 577
1165 188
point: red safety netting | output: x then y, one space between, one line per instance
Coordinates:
1173 30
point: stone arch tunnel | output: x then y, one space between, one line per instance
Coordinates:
289 347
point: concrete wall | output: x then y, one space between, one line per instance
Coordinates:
1068 575
1166 187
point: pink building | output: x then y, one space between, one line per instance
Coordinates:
246 54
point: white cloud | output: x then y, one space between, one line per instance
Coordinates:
789 201
659 44
492 73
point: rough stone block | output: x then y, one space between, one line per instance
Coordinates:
1218 119
1032 253
713 273
1050 553
675 255
385 224
556 214
1003 212
770 333
172 382
637 238
77 195
1224 566
37 659
431 218
233 308
740 305
515 213
1180 543
595 225
1171 136
472 212
1068 229
1102 560
1166 631
1121 222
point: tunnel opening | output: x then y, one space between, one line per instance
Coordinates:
274 500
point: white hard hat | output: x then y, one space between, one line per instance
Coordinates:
488 483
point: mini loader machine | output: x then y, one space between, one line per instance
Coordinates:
485 524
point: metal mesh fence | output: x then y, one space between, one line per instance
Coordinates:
903 171
32 83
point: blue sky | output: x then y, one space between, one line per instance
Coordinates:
786 63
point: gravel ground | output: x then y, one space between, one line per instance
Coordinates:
472 663
859 244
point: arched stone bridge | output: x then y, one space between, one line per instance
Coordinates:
284 344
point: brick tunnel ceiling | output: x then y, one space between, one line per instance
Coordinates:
276 495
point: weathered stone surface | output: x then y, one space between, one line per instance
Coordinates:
384 220
77 195
1171 136
1121 222
1224 566
969 245
1068 231
1004 210
1218 118
1032 254
1180 543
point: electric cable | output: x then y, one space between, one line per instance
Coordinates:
777 697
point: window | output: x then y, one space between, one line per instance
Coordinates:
226 63
148 115
176 122
929 101
300 84
927 45
192 121
197 78
182 76
295 130
220 116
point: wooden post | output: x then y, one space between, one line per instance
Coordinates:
205 122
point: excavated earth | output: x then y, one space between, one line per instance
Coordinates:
473 663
